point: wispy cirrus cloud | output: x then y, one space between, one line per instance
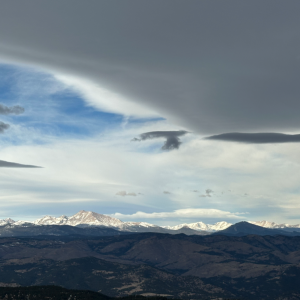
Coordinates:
105 99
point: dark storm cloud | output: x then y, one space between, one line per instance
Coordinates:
211 66
256 138
3 127
7 164
14 110
172 138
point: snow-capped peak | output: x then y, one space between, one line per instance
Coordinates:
273 225
265 224
195 226
89 218
7 221
201 226
92 218
81 218
142 224
220 226
48 220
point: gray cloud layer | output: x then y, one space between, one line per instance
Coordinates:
3 127
211 66
15 110
7 164
256 138
172 138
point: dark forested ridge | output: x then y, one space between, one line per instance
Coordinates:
48 292
59 293
84 230
177 266
112 279
29 229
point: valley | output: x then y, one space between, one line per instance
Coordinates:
181 266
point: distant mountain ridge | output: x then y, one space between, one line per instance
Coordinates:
201 226
81 218
88 218
273 225
247 228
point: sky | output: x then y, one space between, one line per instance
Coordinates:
165 112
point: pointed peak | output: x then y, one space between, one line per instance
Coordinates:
9 220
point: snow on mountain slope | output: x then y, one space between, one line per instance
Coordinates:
273 225
195 226
201 226
92 218
140 227
81 218
142 224
48 220
89 218
6 221
219 226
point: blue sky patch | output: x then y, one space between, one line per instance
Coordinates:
51 108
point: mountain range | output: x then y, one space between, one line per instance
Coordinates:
87 218
96 252
247 228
